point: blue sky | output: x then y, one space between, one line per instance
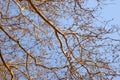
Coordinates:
112 11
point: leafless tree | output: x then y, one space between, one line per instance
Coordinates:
56 40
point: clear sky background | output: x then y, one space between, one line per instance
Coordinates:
112 11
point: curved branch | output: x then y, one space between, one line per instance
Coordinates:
44 18
5 64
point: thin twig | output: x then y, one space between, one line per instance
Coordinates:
5 64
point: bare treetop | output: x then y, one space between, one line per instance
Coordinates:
56 40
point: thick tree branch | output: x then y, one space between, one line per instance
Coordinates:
44 18
5 64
